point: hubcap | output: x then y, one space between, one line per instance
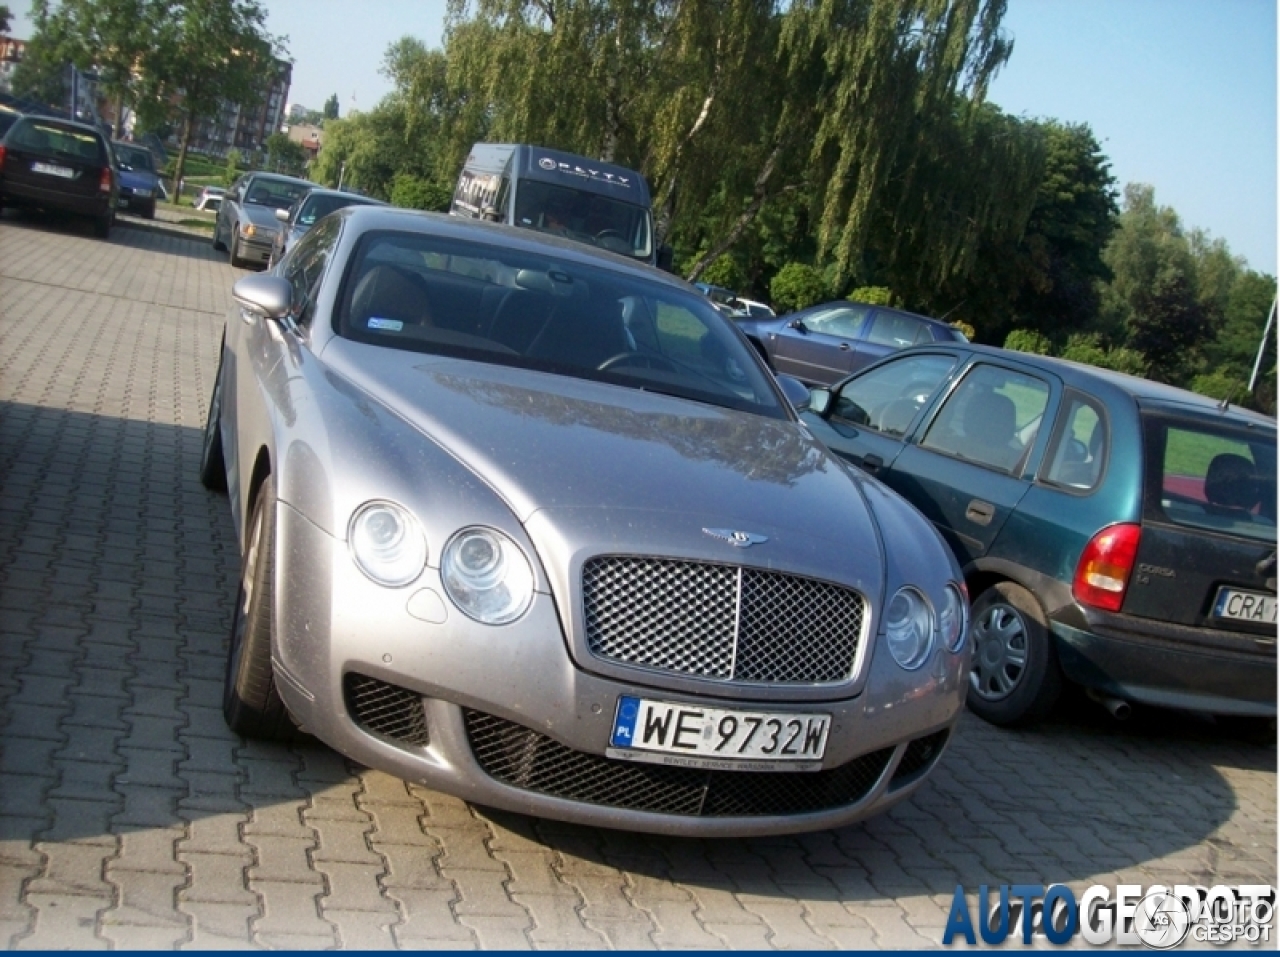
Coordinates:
1000 652
247 580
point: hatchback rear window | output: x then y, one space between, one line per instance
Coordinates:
1214 478
56 140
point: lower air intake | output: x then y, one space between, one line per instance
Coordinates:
386 710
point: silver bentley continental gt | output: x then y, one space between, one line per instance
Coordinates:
533 525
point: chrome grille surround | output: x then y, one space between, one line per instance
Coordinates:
726 623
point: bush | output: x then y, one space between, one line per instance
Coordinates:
1221 385
233 167
873 295
796 286
413 192
970 333
1028 340
723 272
1089 349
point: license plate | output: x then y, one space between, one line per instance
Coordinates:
52 170
662 732
1236 605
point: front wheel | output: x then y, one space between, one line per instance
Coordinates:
251 704
213 466
218 245
1015 678
234 254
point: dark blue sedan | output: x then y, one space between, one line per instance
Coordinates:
1113 532
824 343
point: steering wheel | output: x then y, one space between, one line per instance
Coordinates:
608 234
631 357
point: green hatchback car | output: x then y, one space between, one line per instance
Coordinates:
1113 532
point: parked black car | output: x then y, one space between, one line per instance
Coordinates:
824 343
302 215
1114 532
59 165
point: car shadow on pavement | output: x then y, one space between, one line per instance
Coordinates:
117 577
150 235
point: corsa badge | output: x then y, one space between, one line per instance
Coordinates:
735 538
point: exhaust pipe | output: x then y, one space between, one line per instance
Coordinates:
1119 708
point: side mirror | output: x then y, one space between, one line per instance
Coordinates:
666 257
820 401
797 392
264 295
282 215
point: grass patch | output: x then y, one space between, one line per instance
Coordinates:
197 223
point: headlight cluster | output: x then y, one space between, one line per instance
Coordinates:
910 625
485 574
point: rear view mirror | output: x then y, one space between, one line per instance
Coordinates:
264 295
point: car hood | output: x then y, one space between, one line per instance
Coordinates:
262 217
626 463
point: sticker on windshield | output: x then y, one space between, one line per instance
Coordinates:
391 325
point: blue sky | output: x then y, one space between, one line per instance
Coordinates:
1181 94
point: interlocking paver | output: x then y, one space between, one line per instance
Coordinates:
131 817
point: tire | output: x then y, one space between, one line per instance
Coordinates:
1247 728
1015 678
251 704
213 466
233 254
102 225
150 211
217 241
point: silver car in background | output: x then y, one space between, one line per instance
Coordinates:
533 525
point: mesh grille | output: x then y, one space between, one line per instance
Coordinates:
919 755
386 709
720 621
525 759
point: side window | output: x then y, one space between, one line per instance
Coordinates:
1079 447
991 418
895 329
888 397
305 264
843 321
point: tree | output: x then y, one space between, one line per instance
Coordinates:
284 155
331 107
1168 325
41 74
796 286
5 17
209 52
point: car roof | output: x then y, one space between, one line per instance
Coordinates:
281 177
59 121
1145 392
360 197
368 218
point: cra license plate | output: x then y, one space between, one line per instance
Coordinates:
662 732
1235 605
51 169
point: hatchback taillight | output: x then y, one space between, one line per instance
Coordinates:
1 157
1102 576
104 182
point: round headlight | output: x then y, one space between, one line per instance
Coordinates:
387 543
953 618
908 625
487 576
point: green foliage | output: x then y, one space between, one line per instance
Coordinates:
330 111
285 156
1221 384
1167 326
1028 340
232 169
5 17
969 332
1088 347
796 286
723 272
412 192
873 295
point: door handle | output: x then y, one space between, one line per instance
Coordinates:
979 512
844 347
871 463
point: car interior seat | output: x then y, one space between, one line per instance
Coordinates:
393 293
519 317
990 422
1232 482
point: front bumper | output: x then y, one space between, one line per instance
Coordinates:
502 717
255 248
139 200
1169 666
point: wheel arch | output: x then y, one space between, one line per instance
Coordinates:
261 471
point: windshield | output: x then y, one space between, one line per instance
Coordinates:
134 157
317 207
1212 476
278 193
493 304
616 226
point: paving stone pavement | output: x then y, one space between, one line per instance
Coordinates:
130 817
